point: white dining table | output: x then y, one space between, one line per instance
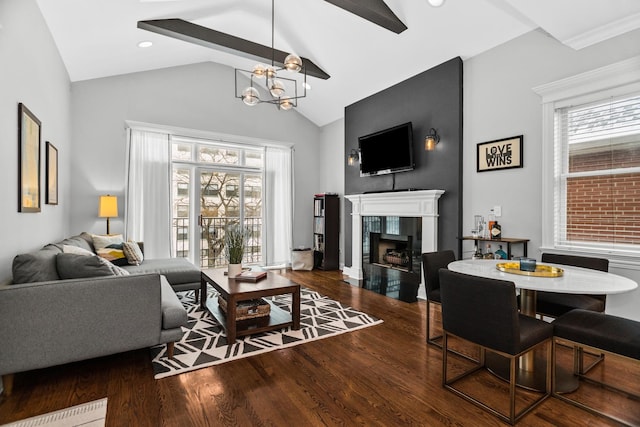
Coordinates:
574 280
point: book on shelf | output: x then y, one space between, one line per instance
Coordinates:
251 276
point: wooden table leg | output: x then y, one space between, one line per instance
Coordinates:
295 309
232 305
203 292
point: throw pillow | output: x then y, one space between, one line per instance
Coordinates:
133 253
38 266
114 254
101 242
74 266
69 249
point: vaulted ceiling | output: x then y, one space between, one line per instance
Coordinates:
99 38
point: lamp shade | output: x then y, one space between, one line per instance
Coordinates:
108 206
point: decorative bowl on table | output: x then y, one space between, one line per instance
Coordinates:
541 270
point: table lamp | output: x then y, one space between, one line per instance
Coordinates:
108 208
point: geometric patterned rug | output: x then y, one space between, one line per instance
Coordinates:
205 343
90 414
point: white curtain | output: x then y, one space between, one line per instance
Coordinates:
148 198
279 209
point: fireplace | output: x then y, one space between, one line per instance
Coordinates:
420 206
391 251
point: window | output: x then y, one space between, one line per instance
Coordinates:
230 178
598 155
591 162
183 188
231 190
183 211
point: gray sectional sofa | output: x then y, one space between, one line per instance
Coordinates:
46 320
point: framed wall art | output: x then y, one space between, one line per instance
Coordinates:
29 132
503 153
52 174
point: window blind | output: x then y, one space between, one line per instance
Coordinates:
597 174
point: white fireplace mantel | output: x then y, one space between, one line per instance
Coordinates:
413 204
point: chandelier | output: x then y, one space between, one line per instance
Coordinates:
267 85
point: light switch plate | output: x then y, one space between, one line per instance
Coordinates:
497 211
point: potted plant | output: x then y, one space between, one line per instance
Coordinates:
235 240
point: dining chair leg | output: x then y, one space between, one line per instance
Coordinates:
444 359
512 390
431 339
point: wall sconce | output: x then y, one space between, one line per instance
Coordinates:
108 208
354 157
431 140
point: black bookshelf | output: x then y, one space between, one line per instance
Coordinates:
326 231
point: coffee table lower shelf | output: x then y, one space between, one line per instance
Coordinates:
277 319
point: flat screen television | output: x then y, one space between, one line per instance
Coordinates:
387 151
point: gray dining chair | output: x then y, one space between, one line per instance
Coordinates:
553 304
485 312
432 262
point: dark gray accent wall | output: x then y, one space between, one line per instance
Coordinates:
432 98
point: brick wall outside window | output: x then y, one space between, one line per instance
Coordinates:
604 208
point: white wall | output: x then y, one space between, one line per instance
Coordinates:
332 169
499 103
198 96
32 73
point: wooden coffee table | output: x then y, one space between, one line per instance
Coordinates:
235 290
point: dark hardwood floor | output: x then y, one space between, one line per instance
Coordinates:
382 375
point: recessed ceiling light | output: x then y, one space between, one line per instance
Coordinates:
436 3
145 43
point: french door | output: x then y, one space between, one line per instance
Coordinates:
228 199
208 199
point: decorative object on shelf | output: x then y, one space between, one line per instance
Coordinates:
478 226
282 91
503 153
496 231
108 208
491 220
235 240
52 174
488 254
431 140
540 270
477 253
249 309
29 132
500 254
354 157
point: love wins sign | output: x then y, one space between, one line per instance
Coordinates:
500 154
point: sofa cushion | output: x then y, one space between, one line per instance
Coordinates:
133 253
176 270
70 249
74 266
174 314
38 266
79 241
